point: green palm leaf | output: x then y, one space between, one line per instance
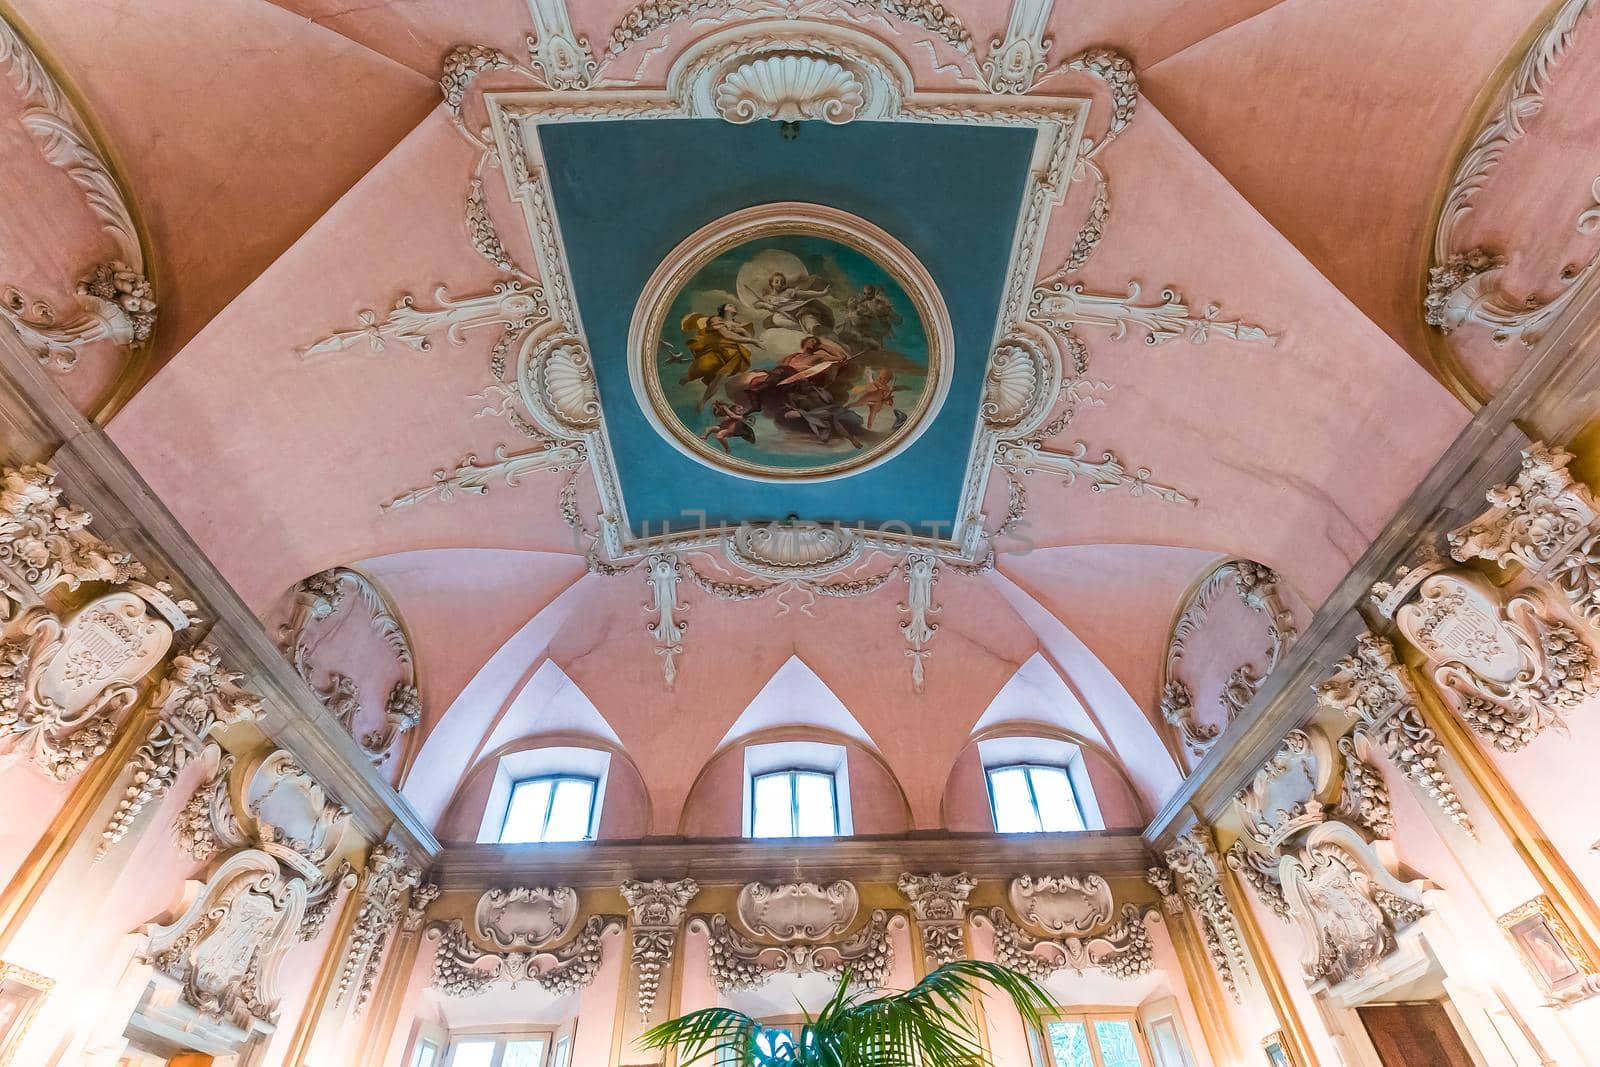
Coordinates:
929 1025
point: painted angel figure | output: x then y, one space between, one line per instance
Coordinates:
720 345
870 319
794 303
732 421
876 394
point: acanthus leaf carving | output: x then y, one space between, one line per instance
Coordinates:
921 572
1122 949
1371 686
45 542
738 963
198 695
462 969
939 905
656 911
1062 306
384 884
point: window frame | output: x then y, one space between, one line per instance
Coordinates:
1044 1057
555 778
1033 795
793 773
501 1036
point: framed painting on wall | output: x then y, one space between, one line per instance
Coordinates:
1549 951
21 993
1277 1055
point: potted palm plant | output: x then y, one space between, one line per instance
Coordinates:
928 1025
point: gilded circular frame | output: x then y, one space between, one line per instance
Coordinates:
773 223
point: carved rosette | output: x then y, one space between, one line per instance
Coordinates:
939 905
656 910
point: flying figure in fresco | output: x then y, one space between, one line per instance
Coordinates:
869 319
720 345
876 395
794 303
733 421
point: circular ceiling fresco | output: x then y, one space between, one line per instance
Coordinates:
790 342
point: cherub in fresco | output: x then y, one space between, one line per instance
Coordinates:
869 318
794 303
877 394
720 345
733 421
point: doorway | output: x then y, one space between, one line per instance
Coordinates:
1416 1034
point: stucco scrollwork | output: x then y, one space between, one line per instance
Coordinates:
115 299
1372 688
1319 865
45 542
738 962
525 918
224 949
1257 587
318 600
939 905
380 901
1195 871
1062 903
461 968
1122 948
1016 59
656 910
1511 666
1465 282
797 911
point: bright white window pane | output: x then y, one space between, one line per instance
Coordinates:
427 1055
526 1053
1013 804
563 1050
775 1043
570 812
1052 790
526 814
1069 1044
473 1054
774 806
1117 1048
814 801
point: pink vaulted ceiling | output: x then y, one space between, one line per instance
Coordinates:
293 168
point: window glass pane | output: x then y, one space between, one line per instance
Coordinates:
774 806
571 810
1117 1048
1013 806
473 1053
427 1054
814 795
1165 1043
1069 1044
525 815
523 1053
563 1050
1058 809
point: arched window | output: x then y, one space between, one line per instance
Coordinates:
1038 785
550 807
796 789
